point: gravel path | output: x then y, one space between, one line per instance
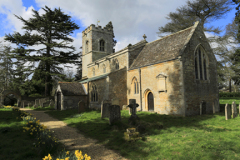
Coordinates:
73 139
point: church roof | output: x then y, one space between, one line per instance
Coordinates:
163 49
71 88
95 78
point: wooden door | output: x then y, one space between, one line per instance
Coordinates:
58 100
150 102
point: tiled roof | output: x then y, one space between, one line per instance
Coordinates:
163 49
71 88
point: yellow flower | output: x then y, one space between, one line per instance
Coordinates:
31 133
67 158
30 121
67 152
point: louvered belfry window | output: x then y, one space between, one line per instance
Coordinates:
102 45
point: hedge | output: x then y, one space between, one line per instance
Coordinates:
229 94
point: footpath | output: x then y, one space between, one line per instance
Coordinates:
73 139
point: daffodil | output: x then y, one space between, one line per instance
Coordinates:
67 152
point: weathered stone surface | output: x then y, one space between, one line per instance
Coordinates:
81 106
105 108
114 114
115 101
234 110
227 112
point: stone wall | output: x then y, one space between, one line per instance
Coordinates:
70 102
198 90
170 102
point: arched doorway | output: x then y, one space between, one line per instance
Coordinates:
58 100
150 101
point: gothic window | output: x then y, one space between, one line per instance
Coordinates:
200 64
135 87
93 71
104 68
94 94
102 45
86 47
116 64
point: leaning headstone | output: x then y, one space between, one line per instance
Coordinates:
81 106
227 112
114 114
105 108
234 110
133 107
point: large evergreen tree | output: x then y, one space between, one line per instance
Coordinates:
50 31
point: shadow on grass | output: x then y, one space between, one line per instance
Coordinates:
91 125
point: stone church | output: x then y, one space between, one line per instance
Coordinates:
174 75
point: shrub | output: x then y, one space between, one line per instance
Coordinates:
229 94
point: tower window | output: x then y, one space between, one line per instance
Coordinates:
102 45
86 47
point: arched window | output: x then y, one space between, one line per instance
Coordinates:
135 86
102 45
86 47
93 71
116 64
200 64
104 68
94 94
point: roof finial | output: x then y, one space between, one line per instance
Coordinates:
144 36
97 22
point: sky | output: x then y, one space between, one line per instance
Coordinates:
130 19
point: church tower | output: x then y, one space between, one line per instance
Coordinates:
97 42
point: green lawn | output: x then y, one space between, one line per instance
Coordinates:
14 143
198 137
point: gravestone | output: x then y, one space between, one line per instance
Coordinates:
114 114
201 108
133 108
214 108
51 103
45 104
234 110
36 102
227 112
239 108
124 107
81 106
105 108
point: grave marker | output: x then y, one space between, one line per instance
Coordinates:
234 110
227 112
105 108
133 107
114 114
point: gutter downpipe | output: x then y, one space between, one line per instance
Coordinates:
88 95
140 82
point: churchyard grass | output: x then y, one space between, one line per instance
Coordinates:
14 143
22 137
197 137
